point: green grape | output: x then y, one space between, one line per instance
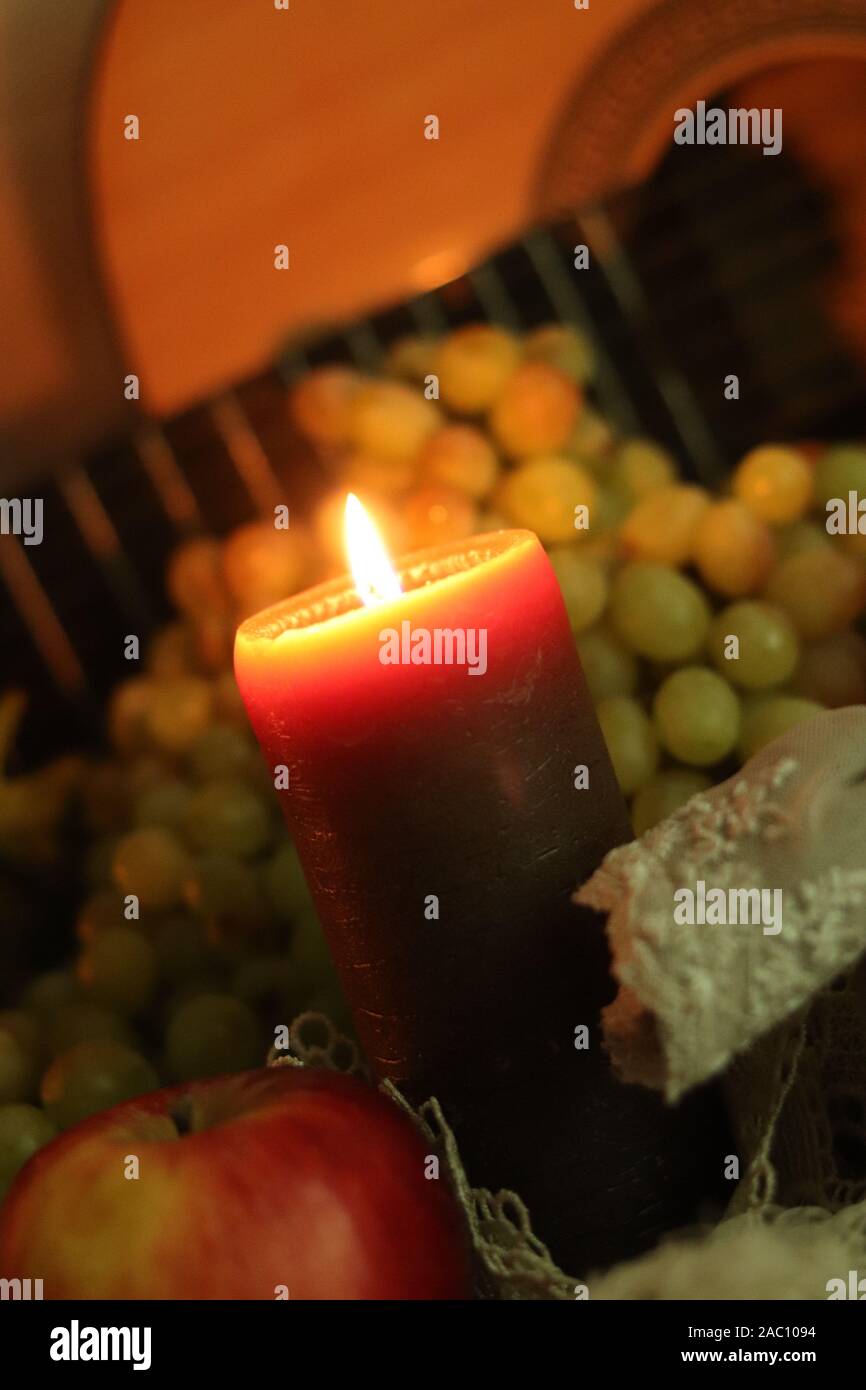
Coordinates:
631 741
23 1025
285 884
543 494
609 667
768 717
19 1067
609 511
144 773
212 1034
223 751
776 482
590 441
821 590
31 814
118 969
47 992
412 357
839 471
93 1076
171 652
473 364
734 549
153 865
664 794
639 466
697 716
852 541
179 710
185 953
320 403
460 457
832 670
238 918
104 908
80 1021
165 806
534 415
128 710
361 472
23 1130
170 1002
263 564
228 817
562 346
391 420
194 577
767 649
658 612
583 583
220 886
800 536
661 528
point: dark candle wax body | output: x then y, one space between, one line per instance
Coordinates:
441 832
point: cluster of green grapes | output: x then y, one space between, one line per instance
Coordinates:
706 624
195 936
726 620
427 460
475 431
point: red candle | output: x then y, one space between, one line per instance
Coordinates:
434 737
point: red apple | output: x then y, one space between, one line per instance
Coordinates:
248 1185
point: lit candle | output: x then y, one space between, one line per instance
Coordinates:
448 788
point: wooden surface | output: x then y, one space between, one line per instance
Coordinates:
306 127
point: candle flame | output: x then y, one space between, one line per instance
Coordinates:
374 578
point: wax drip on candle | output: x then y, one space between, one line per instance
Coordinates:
375 580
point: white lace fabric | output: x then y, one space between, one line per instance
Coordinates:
692 997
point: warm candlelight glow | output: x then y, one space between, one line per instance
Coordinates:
374 578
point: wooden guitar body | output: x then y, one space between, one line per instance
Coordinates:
306 127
